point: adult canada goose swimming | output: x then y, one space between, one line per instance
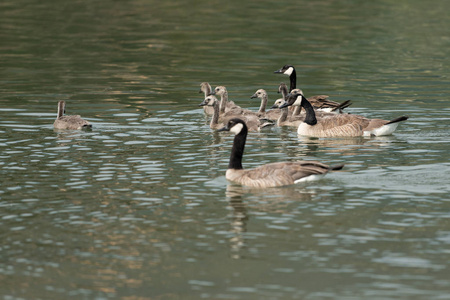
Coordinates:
273 114
217 120
269 175
320 102
205 88
289 70
69 122
339 125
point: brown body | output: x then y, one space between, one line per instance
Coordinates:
272 114
277 174
74 122
269 175
225 104
218 120
339 125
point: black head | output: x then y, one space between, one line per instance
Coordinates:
234 125
293 98
285 69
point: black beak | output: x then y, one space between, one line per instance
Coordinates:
225 128
212 93
274 106
285 104
254 96
279 71
203 103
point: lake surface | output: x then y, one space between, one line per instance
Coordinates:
139 208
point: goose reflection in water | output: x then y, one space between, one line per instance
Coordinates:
271 201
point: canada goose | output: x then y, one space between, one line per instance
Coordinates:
283 118
205 88
212 102
295 117
273 114
254 123
320 102
293 120
339 125
282 89
289 70
69 122
225 105
269 175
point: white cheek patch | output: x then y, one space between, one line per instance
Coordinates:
236 129
298 101
289 71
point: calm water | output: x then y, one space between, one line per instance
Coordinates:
138 208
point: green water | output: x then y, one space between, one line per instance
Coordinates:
139 208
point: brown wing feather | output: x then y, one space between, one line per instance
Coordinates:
322 101
339 125
374 123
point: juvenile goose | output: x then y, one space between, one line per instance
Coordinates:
225 105
294 121
273 114
269 175
217 120
205 88
69 122
320 102
212 102
339 125
295 117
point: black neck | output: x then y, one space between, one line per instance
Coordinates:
310 117
238 150
293 79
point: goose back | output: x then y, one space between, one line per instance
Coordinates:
74 122
278 174
225 103
218 120
339 125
